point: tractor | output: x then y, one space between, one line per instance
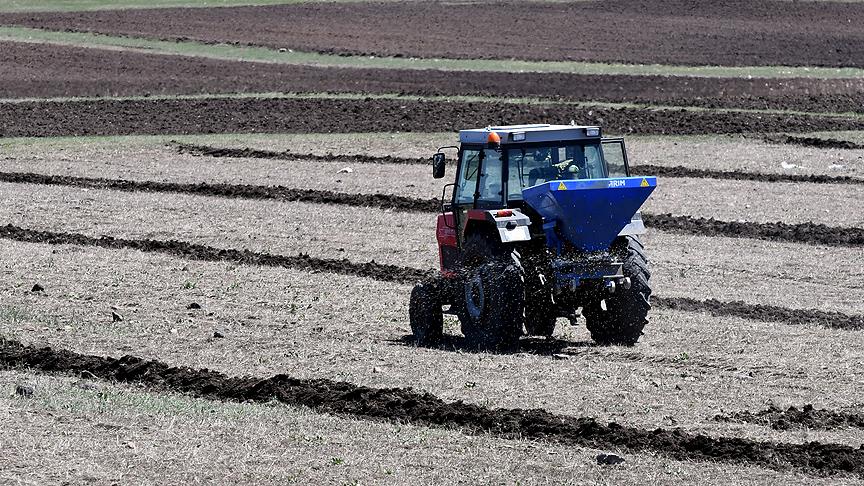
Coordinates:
543 223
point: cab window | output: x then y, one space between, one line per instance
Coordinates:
489 174
616 161
468 174
529 166
491 177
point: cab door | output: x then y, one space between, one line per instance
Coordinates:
479 184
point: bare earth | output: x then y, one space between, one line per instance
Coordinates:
41 70
252 320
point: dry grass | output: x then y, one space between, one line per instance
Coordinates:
157 162
360 234
699 267
747 154
687 368
761 202
758 272
95 433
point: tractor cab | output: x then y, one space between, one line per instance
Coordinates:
543 222
496 164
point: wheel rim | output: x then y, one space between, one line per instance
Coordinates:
475 297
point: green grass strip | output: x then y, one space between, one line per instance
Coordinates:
90 5
267 55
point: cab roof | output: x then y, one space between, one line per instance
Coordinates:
530 133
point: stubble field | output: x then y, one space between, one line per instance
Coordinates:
206 262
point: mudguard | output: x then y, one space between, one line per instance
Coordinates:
511 224
448 252
635 227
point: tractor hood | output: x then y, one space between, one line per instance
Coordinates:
589 213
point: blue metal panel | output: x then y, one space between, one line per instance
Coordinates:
589 213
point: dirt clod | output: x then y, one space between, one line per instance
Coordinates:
25 391
193 306
115 317
37 288
806 417
609 459
218 335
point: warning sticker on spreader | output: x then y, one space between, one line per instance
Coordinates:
644 183
561 186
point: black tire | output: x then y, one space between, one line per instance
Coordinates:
540 313
626 312
424 312
494 303
493 295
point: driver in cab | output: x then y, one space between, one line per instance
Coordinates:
569 168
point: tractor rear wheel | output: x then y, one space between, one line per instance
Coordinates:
492 307
626 310
494 302
425 314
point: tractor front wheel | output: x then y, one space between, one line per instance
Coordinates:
620 318
424 311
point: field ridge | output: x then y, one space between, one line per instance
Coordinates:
353 114
406 405
806 417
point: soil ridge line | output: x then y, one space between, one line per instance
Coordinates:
377 271
352 115
401 405
806 417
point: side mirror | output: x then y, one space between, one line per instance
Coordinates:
438 164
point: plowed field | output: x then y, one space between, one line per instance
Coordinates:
206 264
293 115
736 32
